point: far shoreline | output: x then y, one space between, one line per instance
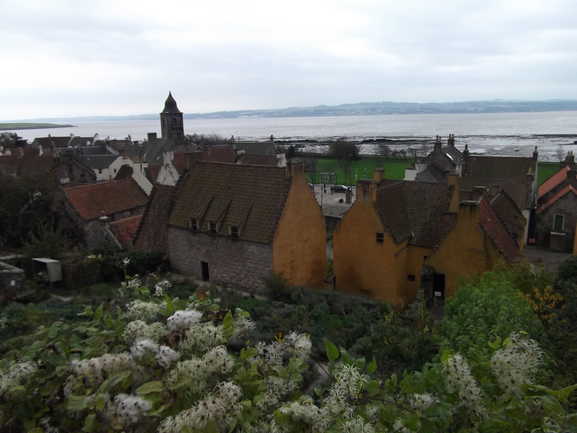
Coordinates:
18 126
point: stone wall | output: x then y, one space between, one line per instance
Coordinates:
11 280
566 206
233 263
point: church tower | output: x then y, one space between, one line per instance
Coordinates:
171 125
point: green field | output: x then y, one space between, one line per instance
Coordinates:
359 169
546 170
12 126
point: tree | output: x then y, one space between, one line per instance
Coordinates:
343 150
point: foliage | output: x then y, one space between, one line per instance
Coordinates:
485 309
148 362
343 150
46 241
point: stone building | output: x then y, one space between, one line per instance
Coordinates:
89 209
171 123
557 208
237 224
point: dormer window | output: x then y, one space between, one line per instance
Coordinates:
233 231
212 226
194 224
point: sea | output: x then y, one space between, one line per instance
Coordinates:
554 133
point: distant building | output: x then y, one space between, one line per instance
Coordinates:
171 123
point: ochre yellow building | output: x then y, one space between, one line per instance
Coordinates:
399 236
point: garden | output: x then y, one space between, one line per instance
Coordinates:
152 353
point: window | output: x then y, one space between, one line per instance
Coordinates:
411 277
194 224
233 231
558 223
380 238
212 226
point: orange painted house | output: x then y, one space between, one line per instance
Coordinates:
401 235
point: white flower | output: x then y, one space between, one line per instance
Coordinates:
460 380
183 319
301 344
139 329
516 364
422 401
166 356
126 261
16 374
143 347
202 337
94 369
357 425
221 407
145 311
128 409
161 287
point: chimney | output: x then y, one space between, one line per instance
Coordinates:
437 143
535 154
453 181
349 196
378 175
152 136
451 140
295 168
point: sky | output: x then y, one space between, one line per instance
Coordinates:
113 57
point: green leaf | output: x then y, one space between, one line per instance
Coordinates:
76 403
564 393
89 423
331 350
372 367
228 325
150 387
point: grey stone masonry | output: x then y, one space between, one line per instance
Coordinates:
233 263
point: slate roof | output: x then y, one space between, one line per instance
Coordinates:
249 197
30 165
98 162
151 234
92 201
125 230
415 211
431 174
80 141
509 214
559 194
170 105
496 231
219 154
510 173
53 141
252 159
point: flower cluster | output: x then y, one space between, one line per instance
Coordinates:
220 407
516 364
127 409
292 344
16 374
461 381
422 401
196 372
161 287
95 369
146 348
201 337
183 319
139 329
145 311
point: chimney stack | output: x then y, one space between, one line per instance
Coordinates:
437 143
378 175
152 136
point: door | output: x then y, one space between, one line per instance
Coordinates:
205 271
439 287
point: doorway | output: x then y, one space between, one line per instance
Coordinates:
205 271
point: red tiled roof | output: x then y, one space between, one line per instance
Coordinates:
557 196
125 229
553 181
180 162
95 200
219 154
152 172
493 227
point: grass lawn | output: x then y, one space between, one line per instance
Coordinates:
360 169
546 170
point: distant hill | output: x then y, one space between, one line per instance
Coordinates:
368 108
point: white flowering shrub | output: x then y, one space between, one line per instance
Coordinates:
178 366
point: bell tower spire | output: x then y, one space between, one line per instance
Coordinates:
171 122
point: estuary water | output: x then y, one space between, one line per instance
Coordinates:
503 133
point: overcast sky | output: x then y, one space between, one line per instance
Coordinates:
80 57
